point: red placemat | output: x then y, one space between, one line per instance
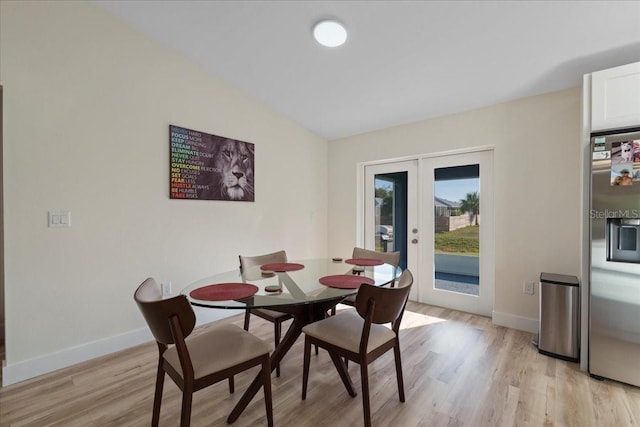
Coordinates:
364 261
282 266
224 292
345 281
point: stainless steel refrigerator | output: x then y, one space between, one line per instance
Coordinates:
614 294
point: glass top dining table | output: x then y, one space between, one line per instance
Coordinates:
306 289
300 283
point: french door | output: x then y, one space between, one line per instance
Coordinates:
457 258
391 213
438 212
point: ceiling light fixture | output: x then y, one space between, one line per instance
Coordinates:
330 33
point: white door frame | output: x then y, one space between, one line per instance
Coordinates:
425 225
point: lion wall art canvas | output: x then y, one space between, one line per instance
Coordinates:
210 167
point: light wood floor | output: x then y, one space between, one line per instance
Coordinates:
460 370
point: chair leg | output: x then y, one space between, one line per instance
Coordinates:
232 385
187 397
247 314
305 369
396 352
338 362
157 399
277 331
266 386
365 394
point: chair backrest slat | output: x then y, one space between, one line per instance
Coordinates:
389 302
251 261
392 258
157 311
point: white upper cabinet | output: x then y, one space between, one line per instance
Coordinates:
615 97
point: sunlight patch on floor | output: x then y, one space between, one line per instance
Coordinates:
415 320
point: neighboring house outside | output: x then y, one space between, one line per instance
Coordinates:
446 207
448 216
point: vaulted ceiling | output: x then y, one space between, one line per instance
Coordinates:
404 61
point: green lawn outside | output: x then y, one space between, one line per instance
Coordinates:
464 241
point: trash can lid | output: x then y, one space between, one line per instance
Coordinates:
559 279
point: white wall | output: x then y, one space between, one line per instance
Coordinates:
87 105
537 161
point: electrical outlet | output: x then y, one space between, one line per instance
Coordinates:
166 288
528 288
59 219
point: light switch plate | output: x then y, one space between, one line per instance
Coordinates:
528 288
59 219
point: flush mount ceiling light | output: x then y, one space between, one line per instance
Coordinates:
330 33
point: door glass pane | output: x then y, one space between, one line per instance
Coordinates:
457 229
391 214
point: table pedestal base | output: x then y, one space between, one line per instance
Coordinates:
303 314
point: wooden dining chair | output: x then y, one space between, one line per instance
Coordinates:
361 335
272 316
198 361
392 258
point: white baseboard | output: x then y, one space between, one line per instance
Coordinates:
515 322
31 368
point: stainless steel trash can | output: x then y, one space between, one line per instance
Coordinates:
559 332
